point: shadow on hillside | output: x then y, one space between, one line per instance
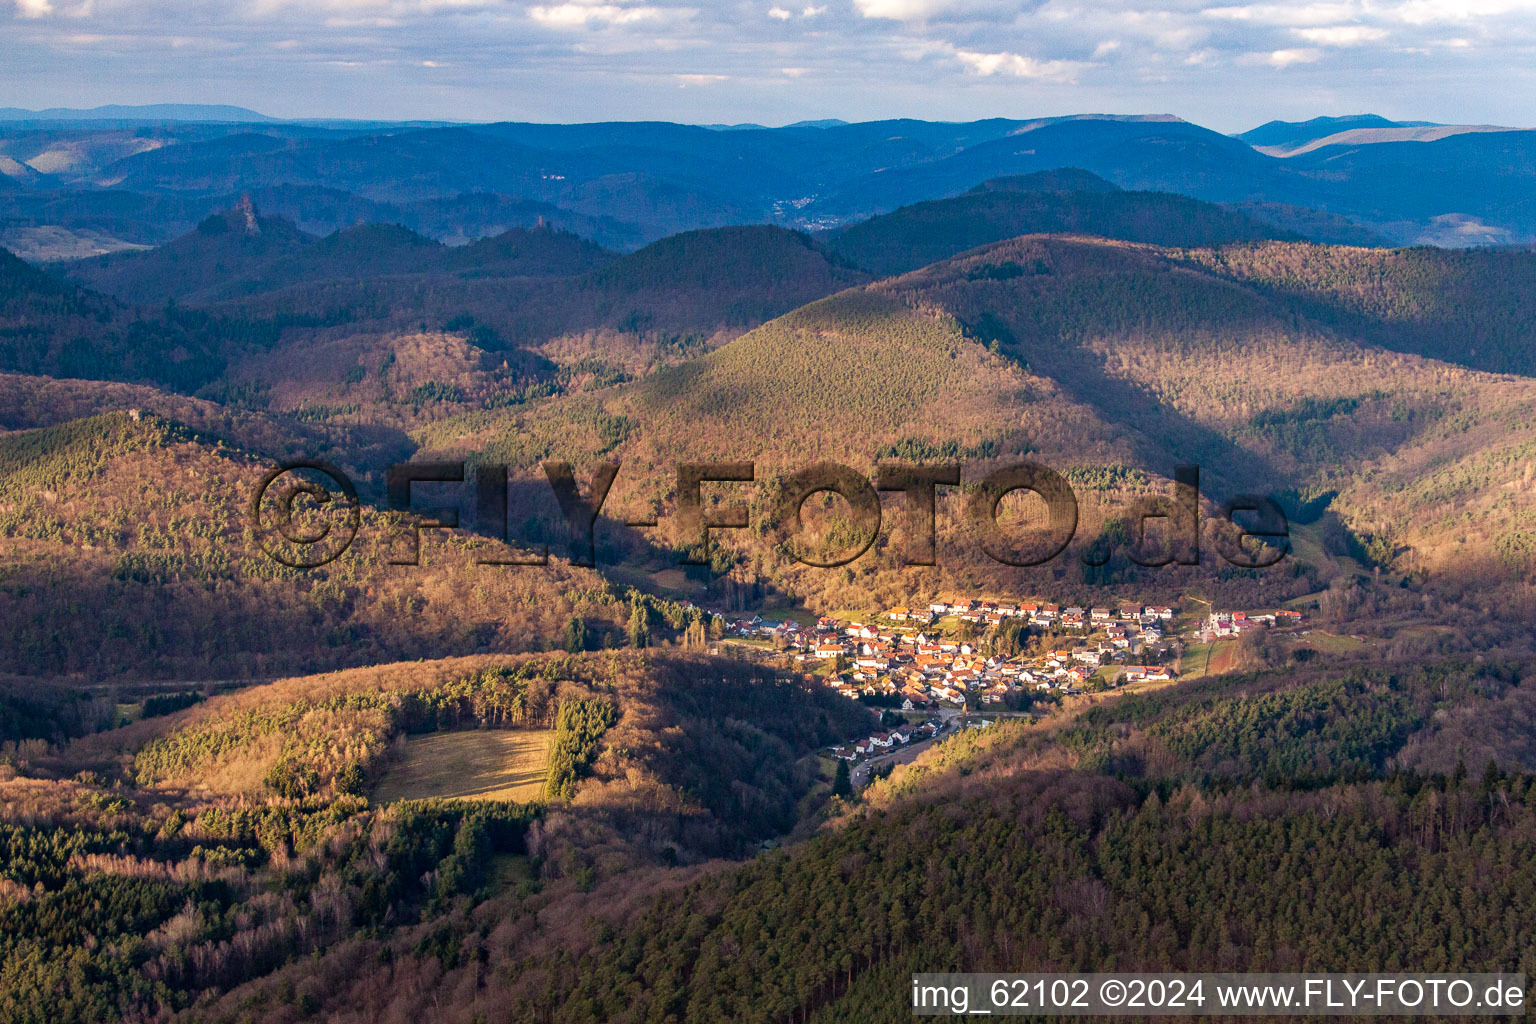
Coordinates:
1468 308
1161 436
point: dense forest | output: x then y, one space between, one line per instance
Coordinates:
1168 831
53 328
132 884
915 236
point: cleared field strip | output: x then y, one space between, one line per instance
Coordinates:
486 764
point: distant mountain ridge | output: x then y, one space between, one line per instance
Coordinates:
143 112
1270 364
238 253
1064 201
1288 139
1295 133
626 184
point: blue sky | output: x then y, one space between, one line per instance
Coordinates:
1228 65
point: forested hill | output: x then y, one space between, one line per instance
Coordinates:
676 293
225 246
61 330
627 184
230 257
1052 203
178 835
1465 306
1129 358
1159 832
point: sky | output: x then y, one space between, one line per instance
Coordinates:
1226 65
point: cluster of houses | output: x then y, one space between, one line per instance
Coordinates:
905 657
883 741
911 658
994 613
1223 624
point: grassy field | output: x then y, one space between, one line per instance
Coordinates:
1331 643
1208 659
487 764
786 613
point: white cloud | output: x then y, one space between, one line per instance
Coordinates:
1284 14
1412 12
591 59
1019 66
1426 12
362 23
901 10
1165 29
1341 35
687 80
1285 58
578 15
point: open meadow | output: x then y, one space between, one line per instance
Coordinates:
486 764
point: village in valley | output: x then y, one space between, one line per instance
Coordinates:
964 663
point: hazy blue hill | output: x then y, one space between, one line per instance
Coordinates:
1297 133
720 258
644 135
659 190
134 216
223 260
630 183
1058 179
1315 225
697 282
54 328
1486 175
1471 188
924 233
658 206
477 215
865 147
213 165
529 252
145 112
221 249
667 177
391 166
23 286
376 249
681 290
806 153
1172 156
626 184
153 218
